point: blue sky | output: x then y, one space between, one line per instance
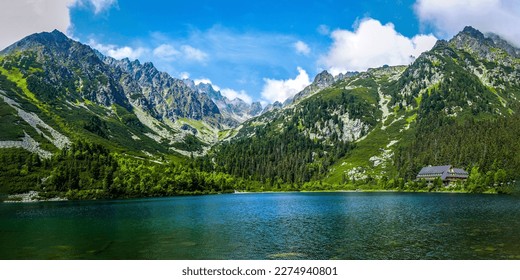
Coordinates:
242 44
260 50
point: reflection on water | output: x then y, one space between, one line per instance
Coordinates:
267 226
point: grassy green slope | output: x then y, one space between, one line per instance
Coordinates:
379 145
116 128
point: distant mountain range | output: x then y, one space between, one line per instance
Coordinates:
62 77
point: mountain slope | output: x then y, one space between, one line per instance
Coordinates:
234 112
165 96
75 126
451 97
383 124
477 92
82 94
300 142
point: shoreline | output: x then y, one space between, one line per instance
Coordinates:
33 196
30 197
362 191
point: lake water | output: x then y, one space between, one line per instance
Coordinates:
267 226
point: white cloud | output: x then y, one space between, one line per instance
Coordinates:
373 45
185 75
203 81
192 53
227 92
280 90
263 103
206 81
232 94
102 5
449 17
302 48
98 5
23 17
125 52
166 52
118 52
169 53
240 58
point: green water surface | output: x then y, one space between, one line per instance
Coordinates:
266 226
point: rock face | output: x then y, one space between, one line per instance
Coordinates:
234 112
276 105
163 96
85 93
28 144
321 81
483 46
57 139
75 70
255 109
503 44
70 69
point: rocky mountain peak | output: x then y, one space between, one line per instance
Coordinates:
321 81
488 46
256 109
208 89
167 97
54 40
470 31
324 78
234 111
470 37
440 44
148 65
275 106
69 69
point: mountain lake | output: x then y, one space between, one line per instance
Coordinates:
266 226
